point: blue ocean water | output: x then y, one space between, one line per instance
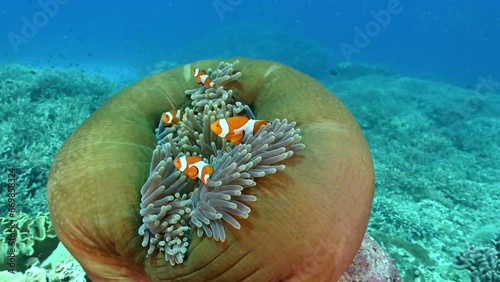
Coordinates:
422 79
453 40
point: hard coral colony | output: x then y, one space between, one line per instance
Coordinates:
172 204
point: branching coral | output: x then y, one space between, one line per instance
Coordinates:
57 101
172 204
482 262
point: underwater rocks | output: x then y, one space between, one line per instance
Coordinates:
372 263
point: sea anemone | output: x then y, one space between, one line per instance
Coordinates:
307 223
223 75
172 204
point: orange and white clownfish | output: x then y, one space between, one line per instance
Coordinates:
203 78
234 128
172 117
194 167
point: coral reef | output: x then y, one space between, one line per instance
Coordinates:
438 130
439 189
35 239
482 262
348 71
60 266
39 108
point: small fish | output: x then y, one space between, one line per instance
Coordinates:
194 167
32 261
234 128
172 117
203 78
334 72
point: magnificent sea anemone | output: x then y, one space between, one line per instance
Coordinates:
274 209
171 205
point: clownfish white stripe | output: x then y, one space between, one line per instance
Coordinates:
235 128
169 115
172 117
225 127
199 166
247 128
194 167
203 78
183 163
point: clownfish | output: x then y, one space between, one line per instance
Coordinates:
234 128
172 117
203 78
194 167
